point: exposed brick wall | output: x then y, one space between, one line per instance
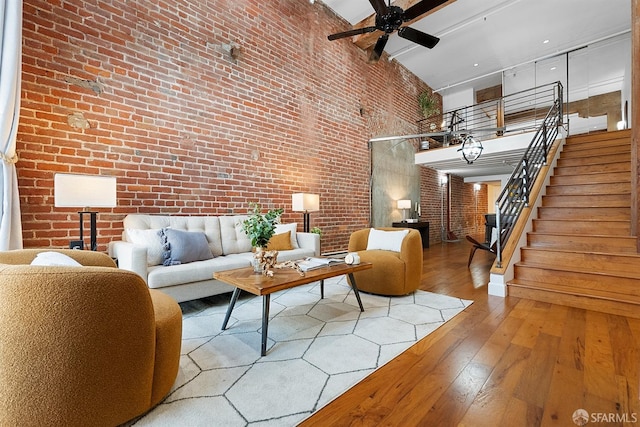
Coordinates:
199 108
467 217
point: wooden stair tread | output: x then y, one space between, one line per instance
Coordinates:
569 269
575 290
580 252
569 288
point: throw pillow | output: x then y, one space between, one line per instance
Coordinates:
55 259
291 227
181 247
151 240
386 240
280 242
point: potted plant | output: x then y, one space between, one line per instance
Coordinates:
428 103
261 227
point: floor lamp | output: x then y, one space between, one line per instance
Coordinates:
84 191
302 202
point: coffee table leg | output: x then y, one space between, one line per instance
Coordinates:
265 322
322 289
355 290
232 303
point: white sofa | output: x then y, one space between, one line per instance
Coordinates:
143 251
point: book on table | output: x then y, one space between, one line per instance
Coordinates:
312 263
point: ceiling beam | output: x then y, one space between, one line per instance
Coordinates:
366 41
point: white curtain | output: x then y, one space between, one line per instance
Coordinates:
10 69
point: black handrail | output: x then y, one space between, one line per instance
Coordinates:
521 111
515 195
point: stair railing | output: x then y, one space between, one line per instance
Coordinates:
514 197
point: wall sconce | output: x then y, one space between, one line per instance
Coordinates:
85 191
471 149
404 205
302 202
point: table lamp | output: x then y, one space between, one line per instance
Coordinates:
302 202
404 205
85 191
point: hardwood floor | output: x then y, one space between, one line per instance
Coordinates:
502 362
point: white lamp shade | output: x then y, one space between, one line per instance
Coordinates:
83 191
302 202
404 204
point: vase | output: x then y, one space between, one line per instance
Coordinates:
257 256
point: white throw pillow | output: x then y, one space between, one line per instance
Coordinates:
283 228
55 259
150 239
386 240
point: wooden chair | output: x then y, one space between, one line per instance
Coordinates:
477 245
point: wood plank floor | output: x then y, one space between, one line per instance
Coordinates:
502 362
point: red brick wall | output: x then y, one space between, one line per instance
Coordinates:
465 217
159 102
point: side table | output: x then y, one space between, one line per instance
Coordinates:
422 227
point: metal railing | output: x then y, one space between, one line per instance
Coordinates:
518 112
515 195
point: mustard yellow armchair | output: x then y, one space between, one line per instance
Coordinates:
82 346
393 273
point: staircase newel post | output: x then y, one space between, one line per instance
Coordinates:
499 239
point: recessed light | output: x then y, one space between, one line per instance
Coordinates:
546 41
553 68
475 65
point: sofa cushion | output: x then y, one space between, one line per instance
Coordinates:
280 242
181 247
234 239
209 225
150 239
54 259
386 240
174 275
291 227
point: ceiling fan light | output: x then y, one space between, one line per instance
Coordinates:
471 149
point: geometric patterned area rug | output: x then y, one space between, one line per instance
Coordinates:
317 349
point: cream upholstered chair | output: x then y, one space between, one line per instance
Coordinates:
82 346
393 273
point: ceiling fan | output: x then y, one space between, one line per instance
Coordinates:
389 19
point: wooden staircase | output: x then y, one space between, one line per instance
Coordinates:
580 252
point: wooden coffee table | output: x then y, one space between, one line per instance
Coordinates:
257 284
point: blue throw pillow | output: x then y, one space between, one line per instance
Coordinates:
181 247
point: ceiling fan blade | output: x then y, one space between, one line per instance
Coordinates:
423 39
376 53
420 8
353 32
379 6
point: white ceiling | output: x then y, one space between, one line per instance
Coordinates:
479 39
495 34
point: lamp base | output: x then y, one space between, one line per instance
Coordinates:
92 230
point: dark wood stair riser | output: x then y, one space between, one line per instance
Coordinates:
614 228
595 160
591 178
605 168
589 189
621 264
590 243
588 200
584 213
548 279
576 152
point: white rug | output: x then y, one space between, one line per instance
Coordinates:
317 350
